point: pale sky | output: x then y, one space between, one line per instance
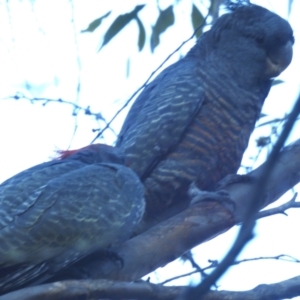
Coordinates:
39 51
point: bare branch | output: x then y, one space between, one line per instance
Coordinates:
280 209
214 263
76 108
170 239
99 289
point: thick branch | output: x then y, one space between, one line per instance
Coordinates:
197 224
171 238
99 289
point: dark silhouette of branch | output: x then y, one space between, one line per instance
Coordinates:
170 239
99 289
173 237
280 209
214 263
188 256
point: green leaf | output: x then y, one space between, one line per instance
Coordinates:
165 19
96 23
197 20
119 23
142 34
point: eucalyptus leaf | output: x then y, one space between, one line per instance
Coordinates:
165 19
197 20
119 23
142 34
96 23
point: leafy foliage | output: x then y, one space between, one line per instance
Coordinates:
197 20
119 23
165 19
142 34
96 23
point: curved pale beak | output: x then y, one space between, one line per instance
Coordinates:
278 60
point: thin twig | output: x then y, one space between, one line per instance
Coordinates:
214 264
280 209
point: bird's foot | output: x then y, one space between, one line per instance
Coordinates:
115 257
220 196
108 255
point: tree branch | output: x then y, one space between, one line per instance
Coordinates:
99 289
171 238
280 209
214 264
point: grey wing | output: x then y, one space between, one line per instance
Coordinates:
160 116
72 216
18 192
